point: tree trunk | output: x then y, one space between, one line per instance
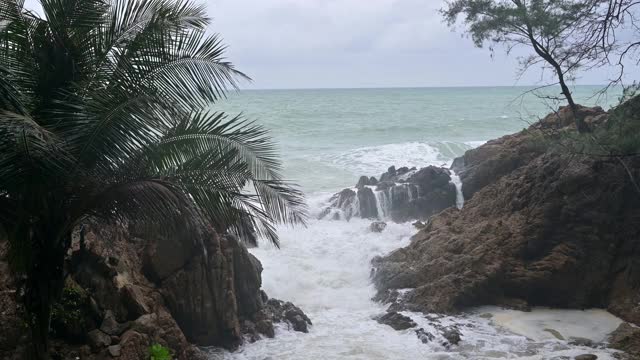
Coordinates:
45 282
579 120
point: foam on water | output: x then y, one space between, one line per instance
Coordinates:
374 160
325 269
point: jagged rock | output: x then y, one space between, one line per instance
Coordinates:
579 341
114 350
390 174
486 164
452 335
404 194
557 230
419 225
281 311
626 338
265 327
397 321
364 181
110 325
385 185
344 201
424 336
368 206
377 226
98 340
373 181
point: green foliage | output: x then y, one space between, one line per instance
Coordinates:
70 314
107 109
159 352
621 134
512 21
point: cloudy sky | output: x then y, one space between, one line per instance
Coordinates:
357 43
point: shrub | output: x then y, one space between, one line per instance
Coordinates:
159 352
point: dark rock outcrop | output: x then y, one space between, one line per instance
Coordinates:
396 321
486 164
626 338
377 226
201 289
541 228
400 195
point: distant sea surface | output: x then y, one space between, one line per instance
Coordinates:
328 138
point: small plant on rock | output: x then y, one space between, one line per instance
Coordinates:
159 352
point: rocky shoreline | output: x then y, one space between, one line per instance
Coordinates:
125 293
539 228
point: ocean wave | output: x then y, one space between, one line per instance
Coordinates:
373 160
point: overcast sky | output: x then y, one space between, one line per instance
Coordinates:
357 43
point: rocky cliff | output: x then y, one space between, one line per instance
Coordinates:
127 291
540 226
400 195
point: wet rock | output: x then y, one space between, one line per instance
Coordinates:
626 338
390 174
265 327
377 226
373 181
385 185
98 340
533 234
343 201
368 206
452 335
404 194
424 336
281 311
555 334
110 325
419 225
586 357
114 350
397 321
363 182
579 341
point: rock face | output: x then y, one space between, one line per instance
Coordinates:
540 228
201 289
400 195
627 338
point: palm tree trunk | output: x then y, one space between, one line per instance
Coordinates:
39 306
44 286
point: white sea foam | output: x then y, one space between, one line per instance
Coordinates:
325 269
375 160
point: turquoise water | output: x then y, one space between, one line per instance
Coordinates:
329 137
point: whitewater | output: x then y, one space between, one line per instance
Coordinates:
325 267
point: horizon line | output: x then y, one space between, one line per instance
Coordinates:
410 87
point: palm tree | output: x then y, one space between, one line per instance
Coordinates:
106 112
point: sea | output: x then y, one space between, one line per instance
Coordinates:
327 139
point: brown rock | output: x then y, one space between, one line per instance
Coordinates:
98 340
397 321
626 338
546 228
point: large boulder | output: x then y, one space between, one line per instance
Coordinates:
556 230
486 164
626 338
129 289
401 195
